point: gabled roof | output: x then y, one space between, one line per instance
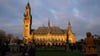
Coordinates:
51 30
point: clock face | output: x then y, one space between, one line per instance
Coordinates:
26 26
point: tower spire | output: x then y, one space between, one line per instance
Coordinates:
48 25
69 26
48 22
28 5
69 23
28 8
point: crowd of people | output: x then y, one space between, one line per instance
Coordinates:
29 50
4 48
26 50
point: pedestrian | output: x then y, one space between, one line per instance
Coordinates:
29 50
3 50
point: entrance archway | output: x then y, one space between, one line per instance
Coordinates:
49 44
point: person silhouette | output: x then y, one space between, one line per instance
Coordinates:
29 50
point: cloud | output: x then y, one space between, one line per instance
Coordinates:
83 14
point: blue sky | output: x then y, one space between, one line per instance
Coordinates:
84 15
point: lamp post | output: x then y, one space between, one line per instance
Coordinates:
67 38
67 42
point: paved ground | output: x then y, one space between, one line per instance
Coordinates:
14 54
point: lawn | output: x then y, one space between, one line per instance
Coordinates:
53 52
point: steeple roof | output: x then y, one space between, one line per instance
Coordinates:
53 30
48 22
28 5
68 22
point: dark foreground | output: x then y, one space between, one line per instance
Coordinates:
51 53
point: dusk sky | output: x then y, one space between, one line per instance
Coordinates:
84 15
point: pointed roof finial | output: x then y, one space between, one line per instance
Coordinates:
69 26
28 1
54 25
68 22
43 25
48 22
28 4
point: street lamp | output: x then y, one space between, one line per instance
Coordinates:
67 41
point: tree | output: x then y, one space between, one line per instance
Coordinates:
2 36
9 37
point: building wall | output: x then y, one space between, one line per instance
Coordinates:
53 38
72 38
50 38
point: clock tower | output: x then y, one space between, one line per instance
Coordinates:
27 18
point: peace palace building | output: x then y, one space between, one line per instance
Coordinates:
52 35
